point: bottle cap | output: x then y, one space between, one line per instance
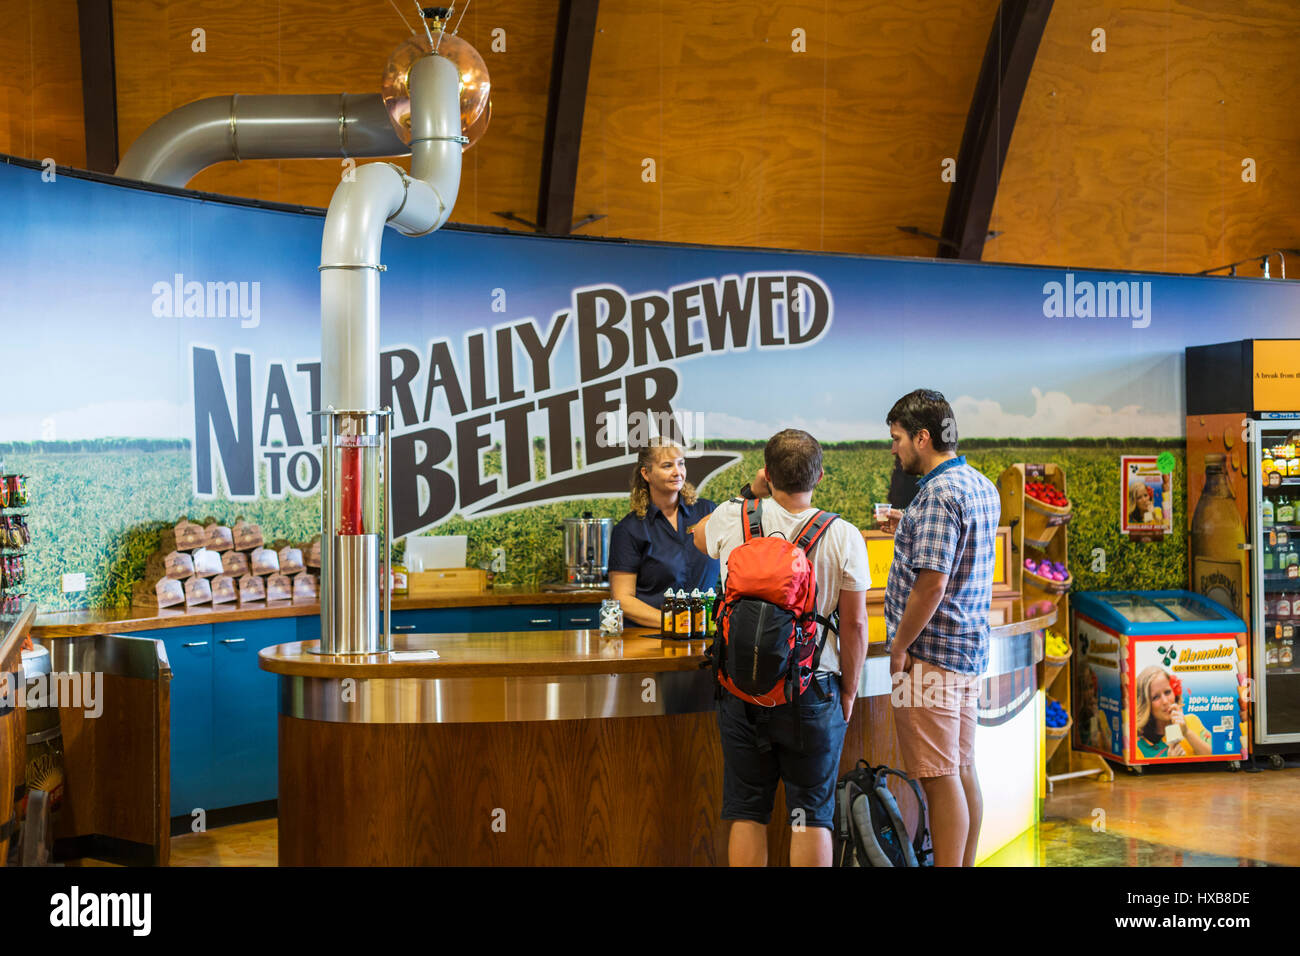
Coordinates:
668 593
695 592
681 595
710 593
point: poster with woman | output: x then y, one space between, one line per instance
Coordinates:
1146 498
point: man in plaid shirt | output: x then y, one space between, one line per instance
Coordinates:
937 617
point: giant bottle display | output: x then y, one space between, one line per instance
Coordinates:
1218 535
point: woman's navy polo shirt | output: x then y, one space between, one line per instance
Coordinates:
660 555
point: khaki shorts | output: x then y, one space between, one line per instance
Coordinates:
934 714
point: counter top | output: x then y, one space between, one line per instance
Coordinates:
554 653
57 624
497 654
13 632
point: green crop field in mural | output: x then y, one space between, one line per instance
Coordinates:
101 511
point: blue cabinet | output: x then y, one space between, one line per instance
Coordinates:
518 618
578 617
439 620
224 708
224 724
189 651
245 711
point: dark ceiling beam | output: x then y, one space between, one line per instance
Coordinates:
1018 27
575 33
98 83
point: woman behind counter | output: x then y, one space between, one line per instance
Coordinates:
651 550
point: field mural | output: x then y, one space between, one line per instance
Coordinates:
170 359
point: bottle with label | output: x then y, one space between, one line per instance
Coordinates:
1285 511
666 625
682 616
1218 558
1266 513
710 598
1292 562
401 586
1283 607
697 615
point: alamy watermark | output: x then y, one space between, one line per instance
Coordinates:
1085 299
191 299
60 689
637 429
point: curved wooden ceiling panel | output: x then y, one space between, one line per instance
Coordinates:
1125 159
1132 158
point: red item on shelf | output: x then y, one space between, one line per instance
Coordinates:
351 513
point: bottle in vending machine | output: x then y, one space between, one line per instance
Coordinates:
1266 513
1285 513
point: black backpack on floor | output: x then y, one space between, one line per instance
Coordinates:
869 829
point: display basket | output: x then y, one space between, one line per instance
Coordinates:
1036 585
1042 520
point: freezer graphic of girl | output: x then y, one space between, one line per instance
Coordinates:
1163 729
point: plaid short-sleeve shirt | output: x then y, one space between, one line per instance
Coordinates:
951 526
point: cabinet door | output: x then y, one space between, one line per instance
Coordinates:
245 710
539 618
189 650
579 617
439 620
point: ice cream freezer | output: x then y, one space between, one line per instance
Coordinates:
1160 677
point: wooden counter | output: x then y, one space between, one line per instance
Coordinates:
550 748
13 723
122 620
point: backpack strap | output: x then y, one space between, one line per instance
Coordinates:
813 530
753 518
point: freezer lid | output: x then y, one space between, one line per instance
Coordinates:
1157 612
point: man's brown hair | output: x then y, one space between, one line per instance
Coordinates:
793 460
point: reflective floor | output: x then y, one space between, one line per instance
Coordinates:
1165 817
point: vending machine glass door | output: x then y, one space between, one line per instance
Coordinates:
1275 560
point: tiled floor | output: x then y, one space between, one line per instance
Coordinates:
1166 817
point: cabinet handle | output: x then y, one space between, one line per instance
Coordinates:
540 620
581 620
232 640
403 627
196 644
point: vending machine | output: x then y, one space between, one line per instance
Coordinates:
1243 495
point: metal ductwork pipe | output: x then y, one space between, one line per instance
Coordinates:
354 549
218 129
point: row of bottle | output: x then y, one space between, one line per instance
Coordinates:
687 617
1278 560
1281 511
1279 639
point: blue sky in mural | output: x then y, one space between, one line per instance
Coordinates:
84 260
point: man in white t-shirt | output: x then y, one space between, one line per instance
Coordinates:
760 746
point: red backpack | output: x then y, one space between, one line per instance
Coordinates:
769 636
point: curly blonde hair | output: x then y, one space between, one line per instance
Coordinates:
647 458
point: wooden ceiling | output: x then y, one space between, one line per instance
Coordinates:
1131 158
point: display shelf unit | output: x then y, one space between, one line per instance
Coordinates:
13 513
1040 531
